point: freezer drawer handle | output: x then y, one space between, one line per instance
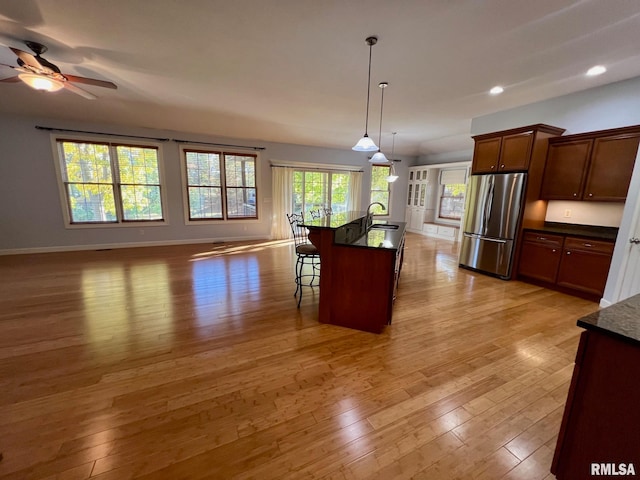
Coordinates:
496 240
634 240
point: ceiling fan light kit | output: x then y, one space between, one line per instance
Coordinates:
40 74
39 82
365 144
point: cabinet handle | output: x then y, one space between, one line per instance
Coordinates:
568 253
591 194
492 167
587 245
502 166
575 194
634 240
553 251
542 238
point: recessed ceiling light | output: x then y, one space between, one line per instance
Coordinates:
597 70
497 90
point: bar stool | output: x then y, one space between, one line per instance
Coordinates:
306 253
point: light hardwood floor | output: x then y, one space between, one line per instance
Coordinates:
192 362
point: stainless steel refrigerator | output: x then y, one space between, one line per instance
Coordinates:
492 214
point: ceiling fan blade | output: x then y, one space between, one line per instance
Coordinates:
79 91
28 59
19 69
90 81
10 80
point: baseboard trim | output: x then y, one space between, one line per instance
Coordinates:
105 246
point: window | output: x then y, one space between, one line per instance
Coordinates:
220 185
380 188
452 201
110 183
313 189
453 187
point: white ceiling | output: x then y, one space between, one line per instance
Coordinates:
295 71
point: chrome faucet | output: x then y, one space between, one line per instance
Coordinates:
370 215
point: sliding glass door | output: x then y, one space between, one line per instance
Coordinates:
315 189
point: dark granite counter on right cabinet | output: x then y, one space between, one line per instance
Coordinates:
600 429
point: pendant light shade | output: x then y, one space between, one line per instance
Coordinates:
365 144
380 157
392 171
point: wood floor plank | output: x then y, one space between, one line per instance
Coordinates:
193 362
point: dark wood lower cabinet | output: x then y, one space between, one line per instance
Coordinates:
585 265
540 256
600 429
575 265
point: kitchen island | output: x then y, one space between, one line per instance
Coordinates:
360 266
600 427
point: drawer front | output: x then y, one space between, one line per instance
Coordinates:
543 239
588 245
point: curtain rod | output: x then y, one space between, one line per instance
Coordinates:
302 167
51 129
217 144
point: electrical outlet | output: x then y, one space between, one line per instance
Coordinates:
567 213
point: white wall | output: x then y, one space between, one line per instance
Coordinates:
603 214
610 106
31 214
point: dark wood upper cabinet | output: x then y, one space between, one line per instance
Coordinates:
611 167
486 155
510 150
594 166
515 152
565 170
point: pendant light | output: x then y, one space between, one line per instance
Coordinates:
379 157
392 172
365 144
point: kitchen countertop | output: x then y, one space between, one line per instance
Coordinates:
621 320
350 230
591 231
335 220
380 237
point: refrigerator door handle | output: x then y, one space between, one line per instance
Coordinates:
488 203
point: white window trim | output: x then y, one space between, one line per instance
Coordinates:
219 221
115 140
387 213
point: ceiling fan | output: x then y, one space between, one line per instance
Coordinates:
41 74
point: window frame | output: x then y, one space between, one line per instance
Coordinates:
112 143
186 147
329 172
387 213
440 218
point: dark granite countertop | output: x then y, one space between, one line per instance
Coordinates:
380 237
350 229
621 319
590 231
335 220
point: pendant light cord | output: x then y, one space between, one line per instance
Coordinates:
382 85
366 121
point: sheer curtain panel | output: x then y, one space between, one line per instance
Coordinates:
282 182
